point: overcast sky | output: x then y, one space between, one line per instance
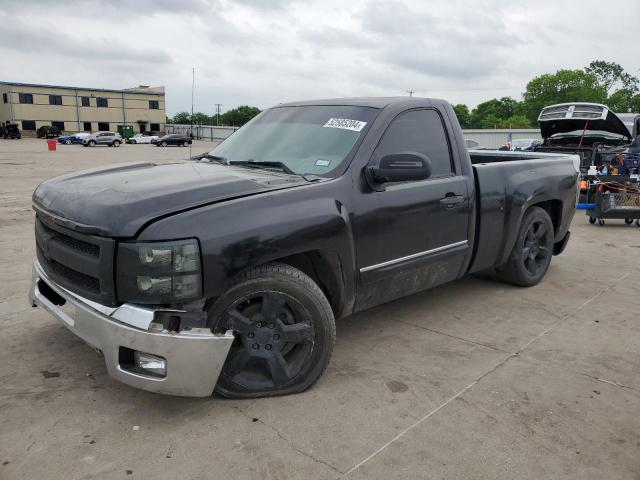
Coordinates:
263 52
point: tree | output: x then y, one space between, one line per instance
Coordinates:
611 74
239 116
182 118
464 117
560 87
496 112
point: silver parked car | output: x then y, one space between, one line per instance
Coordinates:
111 139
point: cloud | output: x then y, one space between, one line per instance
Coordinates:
264 52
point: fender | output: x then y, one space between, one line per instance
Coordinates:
240 234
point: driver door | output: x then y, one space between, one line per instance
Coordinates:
412 235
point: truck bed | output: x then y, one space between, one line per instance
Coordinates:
494 156
505 183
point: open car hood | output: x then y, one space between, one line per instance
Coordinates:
568 117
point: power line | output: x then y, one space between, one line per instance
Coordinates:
411 92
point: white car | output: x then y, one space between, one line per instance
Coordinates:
140 138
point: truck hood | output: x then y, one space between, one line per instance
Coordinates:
118 201
569 117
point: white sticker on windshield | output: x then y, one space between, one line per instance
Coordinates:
345 124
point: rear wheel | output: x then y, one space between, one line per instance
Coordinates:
531 254
284 332
116 143
164 144
600 222
628 221
592 220
133 142
185 144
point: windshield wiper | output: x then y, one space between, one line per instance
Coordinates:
215 158
255 164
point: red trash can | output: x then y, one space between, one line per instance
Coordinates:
52 145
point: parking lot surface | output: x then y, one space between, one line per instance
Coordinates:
472 380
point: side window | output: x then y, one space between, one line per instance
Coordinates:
419 131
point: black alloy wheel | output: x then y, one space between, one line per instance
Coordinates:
284 332
531 255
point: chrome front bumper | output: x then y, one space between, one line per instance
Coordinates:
194 357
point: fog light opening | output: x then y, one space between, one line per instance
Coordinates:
142 363
150 363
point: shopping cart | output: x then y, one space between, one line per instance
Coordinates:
615 201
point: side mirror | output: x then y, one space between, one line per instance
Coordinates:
399 167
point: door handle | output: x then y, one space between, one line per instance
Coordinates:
451 200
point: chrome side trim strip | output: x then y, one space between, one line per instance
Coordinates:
415 255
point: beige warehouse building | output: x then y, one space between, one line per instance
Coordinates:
77 109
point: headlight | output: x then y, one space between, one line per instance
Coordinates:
159 272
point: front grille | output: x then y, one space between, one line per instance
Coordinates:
78 262
86 282
74 243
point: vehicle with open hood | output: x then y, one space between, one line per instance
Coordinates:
228 271
591 130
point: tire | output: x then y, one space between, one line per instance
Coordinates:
91 143
601 222
133 142
164 144
638 223
531 255
592 220
628 221
185 144
116 143
285 332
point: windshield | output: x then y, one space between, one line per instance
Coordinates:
307 140
521 143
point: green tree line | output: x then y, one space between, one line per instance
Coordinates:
232 118
599 82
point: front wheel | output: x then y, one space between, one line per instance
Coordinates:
92 143
592 220
163 144
628 221
284 332
531 254
185 144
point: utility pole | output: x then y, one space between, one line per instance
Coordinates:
218 105
411 92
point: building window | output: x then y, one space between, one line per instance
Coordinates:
25 98
155 127
5 99
59 125
103 126
87 125
28 124
102 102
154 104
85 101
55 99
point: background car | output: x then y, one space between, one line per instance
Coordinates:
173 139
526 144
48 131
111 139
75 139
142 138
10 130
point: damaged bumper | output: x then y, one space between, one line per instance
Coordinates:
193 358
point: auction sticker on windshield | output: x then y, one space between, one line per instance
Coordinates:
345 124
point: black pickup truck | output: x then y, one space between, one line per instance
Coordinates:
228 271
